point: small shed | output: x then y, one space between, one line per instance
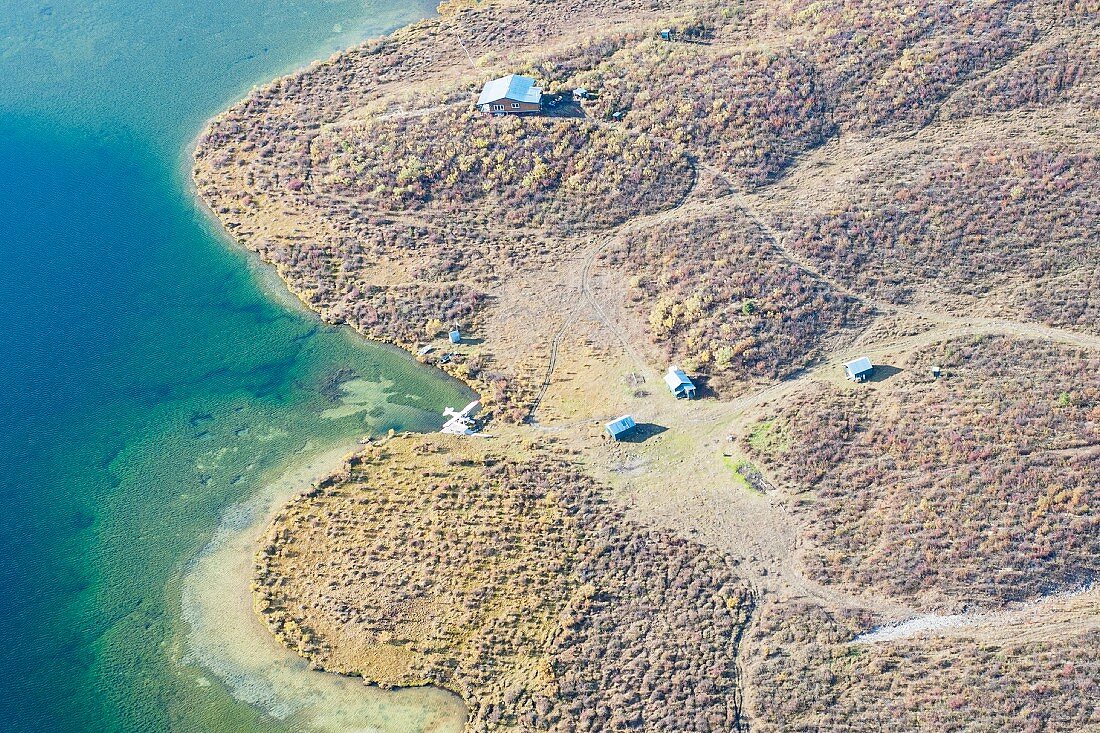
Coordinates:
456 336
512 94
679 383
858 370
617 428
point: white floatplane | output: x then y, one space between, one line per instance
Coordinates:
460 422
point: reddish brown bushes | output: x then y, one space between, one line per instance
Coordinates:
1065 68
512 583
973 488
747 112
1008 224
721 300
521 172
808 678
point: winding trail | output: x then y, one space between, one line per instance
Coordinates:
771 540
1071 613
768 539
587 265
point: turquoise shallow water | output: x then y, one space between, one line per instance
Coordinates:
148 381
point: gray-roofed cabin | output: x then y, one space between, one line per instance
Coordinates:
858 370
679 383
512 94
618 428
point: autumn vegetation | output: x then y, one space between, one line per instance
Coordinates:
808 676
512 583
721 300
1059 69
1008 226
779 184
540 172
747 112
393 220
977 487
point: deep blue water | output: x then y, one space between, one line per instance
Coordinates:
147 380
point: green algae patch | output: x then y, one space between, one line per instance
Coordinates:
769 437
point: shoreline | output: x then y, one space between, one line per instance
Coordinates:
559 301
225 638
266 271
279 288
221 634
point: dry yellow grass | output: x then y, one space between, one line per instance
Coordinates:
497 571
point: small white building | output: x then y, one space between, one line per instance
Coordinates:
858 370
679 383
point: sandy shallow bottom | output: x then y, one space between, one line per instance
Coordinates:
227 640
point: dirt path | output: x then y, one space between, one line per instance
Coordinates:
583 274
551 365
1062 614
402 114
688 489
683 486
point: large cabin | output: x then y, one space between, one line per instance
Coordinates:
512 94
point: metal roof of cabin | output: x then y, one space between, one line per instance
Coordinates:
676 378
860 365
514 86
624 423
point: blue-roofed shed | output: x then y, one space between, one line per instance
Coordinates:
679 383
858 370
617 428
456 336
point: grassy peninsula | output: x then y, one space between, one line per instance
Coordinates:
758 193
497 570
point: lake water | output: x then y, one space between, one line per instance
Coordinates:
149 379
